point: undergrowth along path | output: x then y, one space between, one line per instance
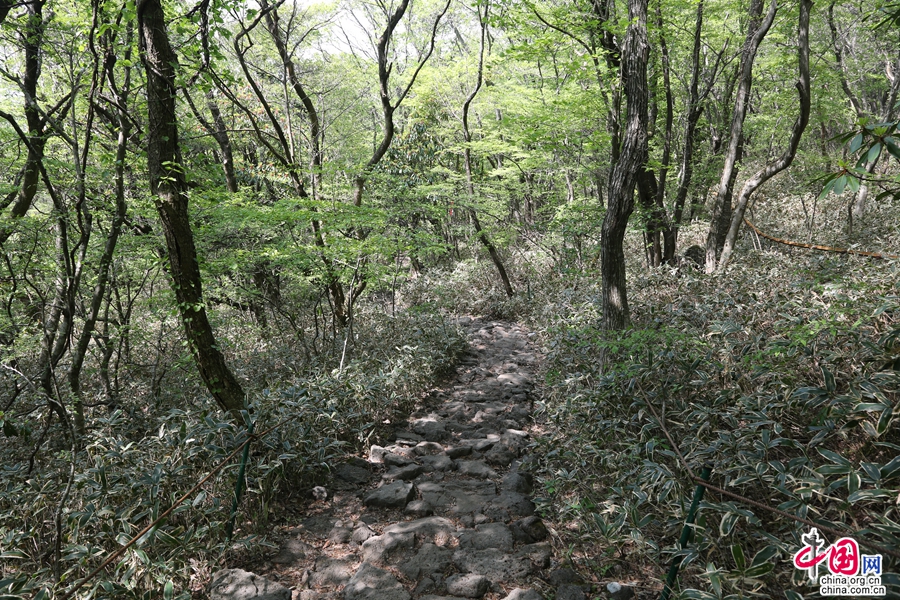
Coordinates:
442 510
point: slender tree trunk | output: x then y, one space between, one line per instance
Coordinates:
627 169
33 39
467 153
721 213
694 111
785 160
169 185
103 268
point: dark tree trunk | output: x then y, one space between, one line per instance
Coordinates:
785 160
627 169
721 213
32 39
169 185
467 153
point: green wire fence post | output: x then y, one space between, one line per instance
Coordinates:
239 485
685 533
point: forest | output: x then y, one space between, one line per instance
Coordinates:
245 242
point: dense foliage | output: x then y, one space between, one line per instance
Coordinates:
334 182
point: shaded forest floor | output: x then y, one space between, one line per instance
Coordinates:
444 508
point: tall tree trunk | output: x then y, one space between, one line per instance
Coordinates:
785 160
721 213
168 183
467 154
79 353
627 169
32 39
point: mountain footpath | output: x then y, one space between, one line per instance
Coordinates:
443 510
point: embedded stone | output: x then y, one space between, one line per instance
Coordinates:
437 462
392 495
475 468
430 559
419 508
487 535
529 530
331 571
494 564
371 583
389 548
237 584
459 451
469 585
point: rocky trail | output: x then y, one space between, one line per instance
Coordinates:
443 511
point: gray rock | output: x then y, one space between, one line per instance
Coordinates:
515 504
438 462
431 429
462 496
502 454
522 483
487 535
292 551
459 451
538 554
314 595
428 448
419 508
389 548
430 559
392 459
362 533
494 564
427 529
376 454
237 584
392 495
569 592
407 436
372 583
407 473
353 473
475 468
425 586
340 535
514 380
529 530
468 585
331 571
483 445
523 594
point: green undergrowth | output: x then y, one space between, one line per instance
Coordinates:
778 375
781 375
134 463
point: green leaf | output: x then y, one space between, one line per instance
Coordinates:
829 380
169 590
834 457
884 422
874 152
857 142
853 482
738 554
765 555
888 470
839 185
727 523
